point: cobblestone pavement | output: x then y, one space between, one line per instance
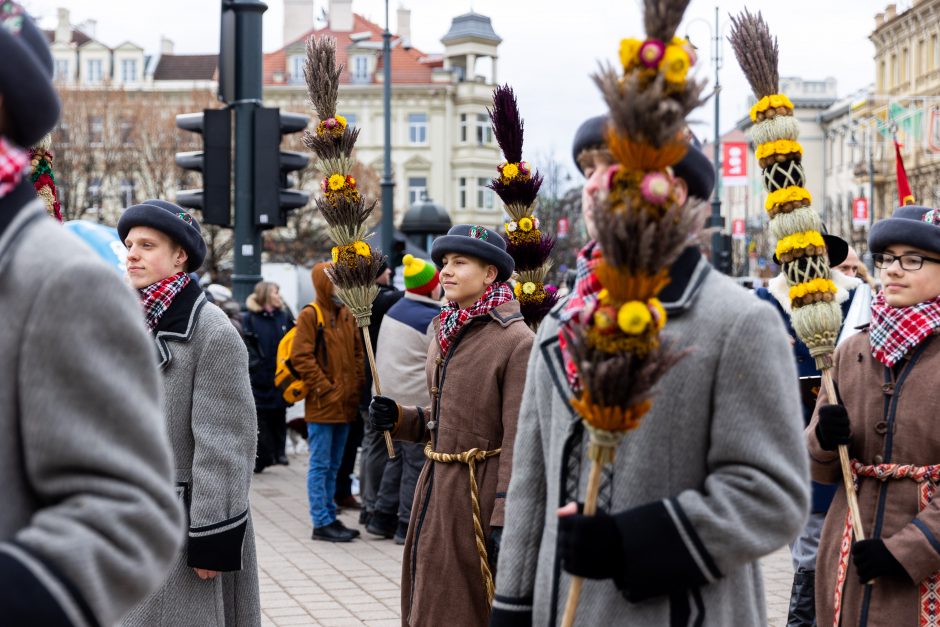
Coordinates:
306 582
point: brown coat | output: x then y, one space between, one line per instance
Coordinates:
335 374
475 392
893 418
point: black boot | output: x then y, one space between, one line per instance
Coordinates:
333 532
402 532
803 600
382 524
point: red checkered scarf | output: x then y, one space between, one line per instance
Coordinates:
453 317
582 299
894 331
156 298
13 164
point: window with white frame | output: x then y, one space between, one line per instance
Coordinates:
93 71
129 70
485 196
62 69
127 192
464 128
417 189
360 68
462 192
417 128
484 130
295 68
95 130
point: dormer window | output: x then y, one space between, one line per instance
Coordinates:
360 69
129 71
94 72
296 68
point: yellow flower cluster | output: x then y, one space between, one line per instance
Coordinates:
510 171
672 59
799 241
337 182
770 102
792 193
525 224
357 248
811 287
779 147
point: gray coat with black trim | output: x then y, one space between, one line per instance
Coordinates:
714 478
89 524
210 416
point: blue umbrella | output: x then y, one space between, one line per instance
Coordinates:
103 240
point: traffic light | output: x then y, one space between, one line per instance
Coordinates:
724 255
273 197
214 161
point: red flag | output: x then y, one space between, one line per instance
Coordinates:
905 197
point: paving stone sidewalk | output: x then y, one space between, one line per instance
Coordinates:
306 582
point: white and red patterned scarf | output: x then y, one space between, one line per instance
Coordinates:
156 298
14 162
582 299
894 331
453 317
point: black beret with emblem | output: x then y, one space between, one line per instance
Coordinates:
475 241
177 223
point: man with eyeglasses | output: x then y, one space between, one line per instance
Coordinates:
887 383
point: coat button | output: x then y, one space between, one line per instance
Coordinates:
438 360
434 391
888 389
878 459
881 428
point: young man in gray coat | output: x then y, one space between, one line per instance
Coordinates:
714 478
89 522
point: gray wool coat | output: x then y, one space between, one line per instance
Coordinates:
715 477
89 523
210 416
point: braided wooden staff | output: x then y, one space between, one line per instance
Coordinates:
644 222
355 265
801 249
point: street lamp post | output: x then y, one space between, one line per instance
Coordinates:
388 185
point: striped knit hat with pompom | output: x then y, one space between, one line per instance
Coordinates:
420 276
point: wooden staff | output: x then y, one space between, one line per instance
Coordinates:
851 497
590 508
367 338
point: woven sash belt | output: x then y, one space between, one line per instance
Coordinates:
470 458
927 477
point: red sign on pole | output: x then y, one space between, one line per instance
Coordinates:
562 232
737 229
734 163
860 212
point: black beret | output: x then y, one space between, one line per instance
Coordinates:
174 221
29 97
476 241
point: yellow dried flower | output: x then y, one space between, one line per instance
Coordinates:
629 49
362 249
525 224
335 252
528 287
675 64
336 182
633 317
510 171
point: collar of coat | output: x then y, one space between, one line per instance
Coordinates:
18 209
179 322
687 275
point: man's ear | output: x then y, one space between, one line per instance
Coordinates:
491 273
181 257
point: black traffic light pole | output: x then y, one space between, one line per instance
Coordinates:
247 75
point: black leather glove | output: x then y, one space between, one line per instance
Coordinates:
590 545
833 427
383 413
873 559
492 548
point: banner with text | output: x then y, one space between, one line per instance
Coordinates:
734 164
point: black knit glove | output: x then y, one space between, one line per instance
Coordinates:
590 546
492 548
873 559
383 413
833 427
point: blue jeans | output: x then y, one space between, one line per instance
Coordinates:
326 444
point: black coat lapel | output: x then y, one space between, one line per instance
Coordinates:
179 322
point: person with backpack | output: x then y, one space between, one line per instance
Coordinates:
475 370
209 414
264 326
90 523
327 354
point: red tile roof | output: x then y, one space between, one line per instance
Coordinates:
409 66
186 67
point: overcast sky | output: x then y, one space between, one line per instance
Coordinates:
549 49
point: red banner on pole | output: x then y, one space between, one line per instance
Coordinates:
860 212
734 163
738 230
